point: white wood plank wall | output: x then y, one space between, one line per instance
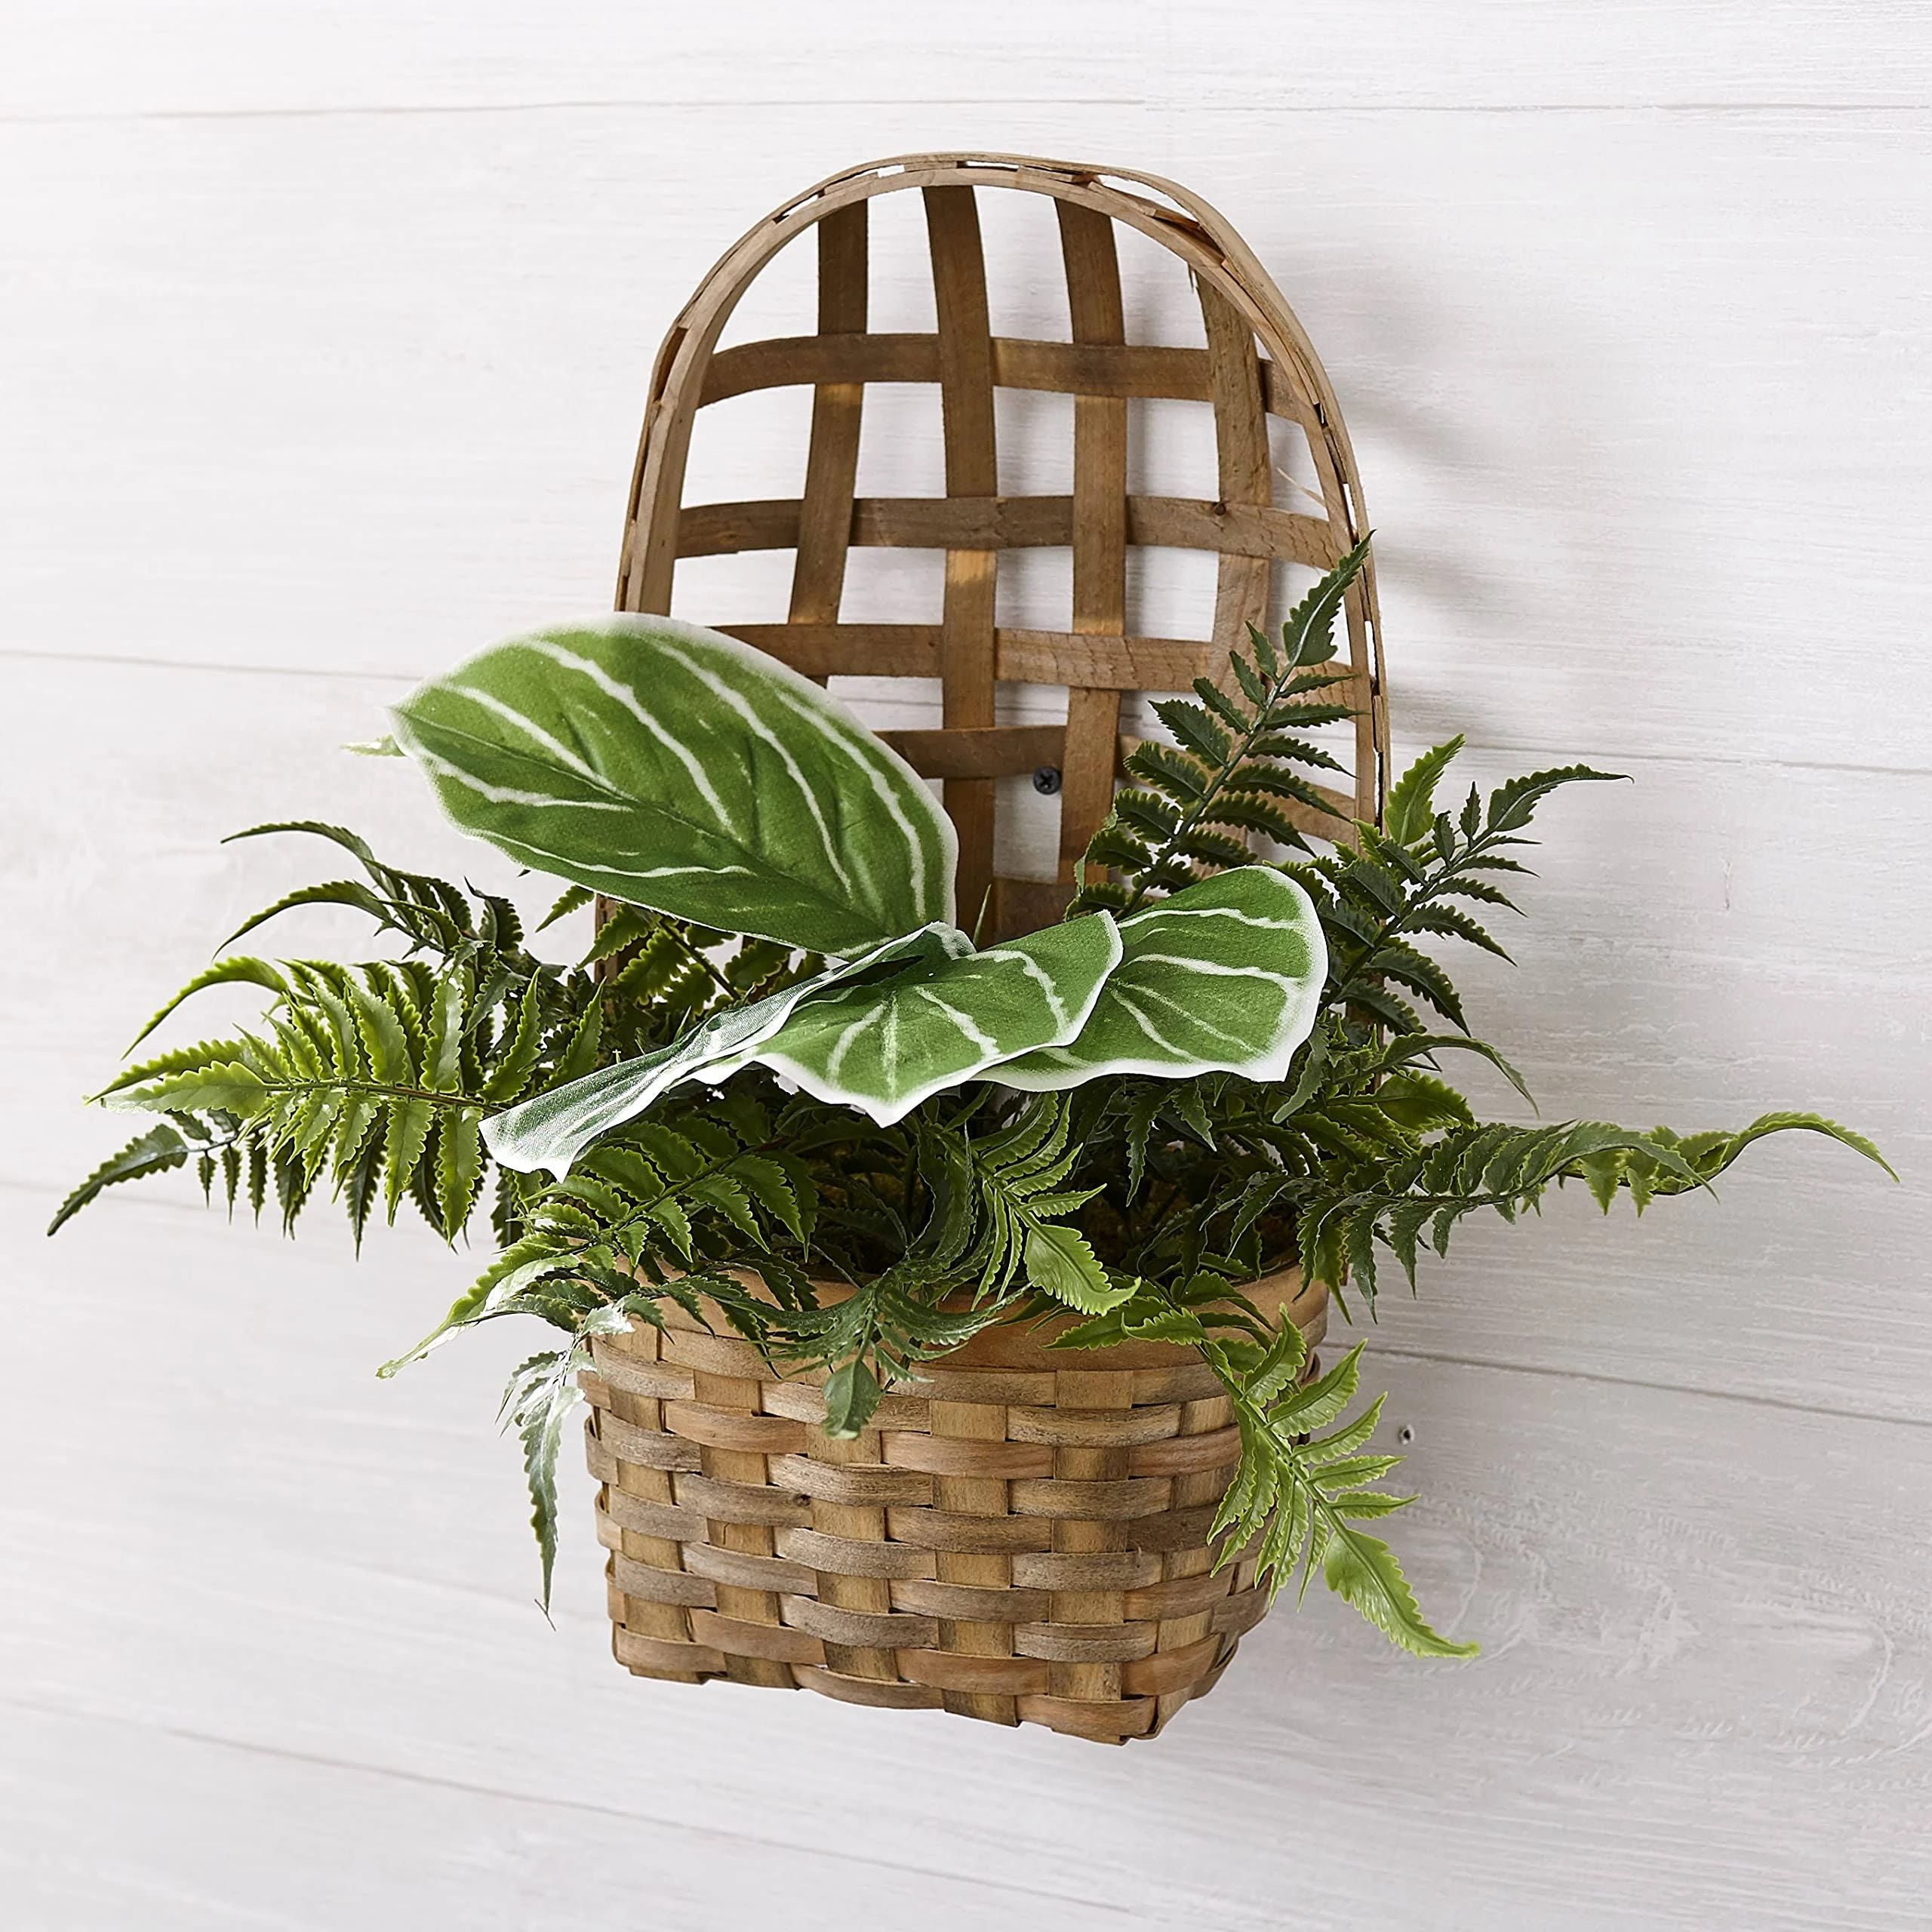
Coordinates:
323 335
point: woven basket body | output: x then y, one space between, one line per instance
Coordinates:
1024 1538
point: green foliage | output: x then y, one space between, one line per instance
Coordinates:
674 768
883 1046
1017 1180
1237 767
1377 901
376 1079
1224 974
1298 1495
1247 1065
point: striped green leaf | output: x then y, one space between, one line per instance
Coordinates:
885 1046
677 769
1225 975
551 1130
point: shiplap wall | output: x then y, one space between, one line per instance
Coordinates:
323 335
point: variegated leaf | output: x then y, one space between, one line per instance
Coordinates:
885 1046
677 769
1225 975
551 1130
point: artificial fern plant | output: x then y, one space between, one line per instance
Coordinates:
783 1063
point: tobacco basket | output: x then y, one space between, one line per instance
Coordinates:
1021 1537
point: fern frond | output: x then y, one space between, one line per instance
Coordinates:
1230 764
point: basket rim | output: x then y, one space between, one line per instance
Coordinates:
1282 1295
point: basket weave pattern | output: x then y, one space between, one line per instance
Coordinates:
1021 1536
1257 365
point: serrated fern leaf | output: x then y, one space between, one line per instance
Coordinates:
537 1402
1232 758
159 1150
1362 1570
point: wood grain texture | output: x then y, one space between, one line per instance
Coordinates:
1642 400
100 58
1700 1707
1518 54
1099 534
314 474
103 58
972 469
832 462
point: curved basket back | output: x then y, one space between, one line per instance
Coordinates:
1257 363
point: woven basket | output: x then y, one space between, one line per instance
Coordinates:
1023 1539
1021 1536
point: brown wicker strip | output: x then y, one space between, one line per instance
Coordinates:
1087 1569
660 1380
825 511
720 1428
627 1513
724 1502
992 523
1000 751
1093 1428
847 1556
1111 1723
968 1601
748 1644
749 1573
1111 1498
942 1456
885 1693
1129 370
972 556
804 1402
1181 1455
954 1671
638 1579
647 1448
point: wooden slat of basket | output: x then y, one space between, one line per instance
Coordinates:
639 1537
1133 371
1020 656
736 1605
1000 751
843 1524
1240 443
832 460
959 1561
972 470
1089 1677
1182 1623
1099 532
982 520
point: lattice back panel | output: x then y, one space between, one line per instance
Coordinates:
1256 363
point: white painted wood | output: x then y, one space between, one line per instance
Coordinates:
277 1626
96 58
1517 54
372 388
325 338
92 59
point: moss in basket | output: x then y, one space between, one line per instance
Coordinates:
782 1055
